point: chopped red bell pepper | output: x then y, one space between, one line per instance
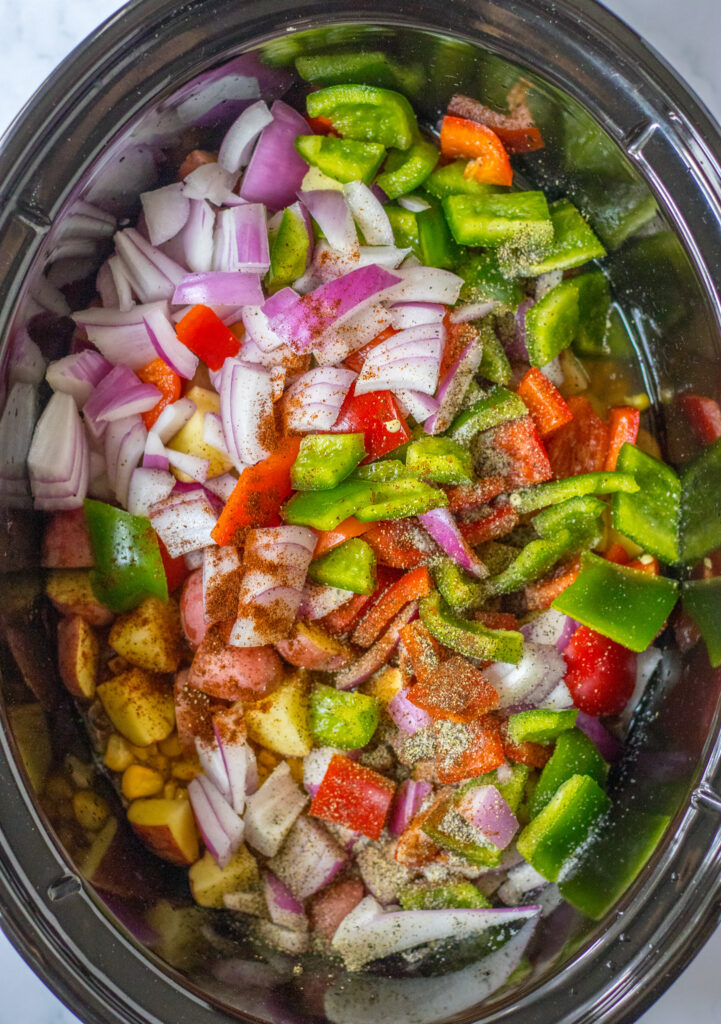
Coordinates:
624 422
580 446
455 692
176 571
378 417
168 384
413 585
329 539
458 337
646 563
470 496
496 620
423 650
356 359
256 499
601 674
515 129
496 522
321 126
343 620
489 162
483 753
521 443
204 333
535 755
544 401
396 543
353 796
541 595
704 414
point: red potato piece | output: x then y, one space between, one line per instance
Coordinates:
333 904
195 159
230 673
66 541
309 646
71 593
192 615
78 656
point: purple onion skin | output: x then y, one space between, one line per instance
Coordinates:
607 744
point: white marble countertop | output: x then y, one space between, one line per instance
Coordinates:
37 35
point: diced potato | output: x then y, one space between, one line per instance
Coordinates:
209 883
71 593
149 636
30 729
66 541
139 781
78 656
140 706
280 720
118 755
385 685
190 438
167 827
179 931
91 810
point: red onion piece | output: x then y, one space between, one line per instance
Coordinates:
173 418
197 236
454 385
121 285
166 211
246 410
521 879
377 655
517 350
276 170
221 828
229 821
156 454
416 404
368 213
280 301
473 311
209 181
152 274
559 699
444 530
283 907
315 765
221 571
271 812
192 465
255 321
237 145
184 521
165 342
27 363
550 627
217 288
58 459
408 718
309 858
121 336
609 747
411 358
329 263
241 240
426 284
129 454
329 209
313 402
407 803
119 394
147 487
222 486
541 667
318 600
486 810
352 333
412 314
78 374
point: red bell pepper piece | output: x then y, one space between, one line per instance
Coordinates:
458 337
204 333
535 755
489 162
601 674
168 384
353 796
378 417
329 539
321 126
580 446
516 129
541 595
396 543
497 620
343 620
356 359
256 499
423 651
413 585
544 401
483 753
455 692
704 415
521 443
646 563
176 571
496 522
470 496
624 422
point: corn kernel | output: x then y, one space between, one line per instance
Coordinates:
160 763
171 747
81 773
144 754
118 755
57 788
170 790
139 781
185 770
91 810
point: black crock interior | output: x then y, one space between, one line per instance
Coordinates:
615 121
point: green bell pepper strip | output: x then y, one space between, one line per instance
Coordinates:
540 725
494 364
594 307
451 831
405 171
398 499
366 113
555 491
404 226
472 639
519 219
323 510
702 601
552 324
483 281
288 251
499 406
128 564
437 247
366 67
538 557
574 242
575 515
463 895
457 587
551 839
341 159
324 460
651 515
342 719
349 566
701 504
626 605
441 460
449 181
384 469
512 790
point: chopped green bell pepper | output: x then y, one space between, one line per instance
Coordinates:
457 587
552 324
483 281
626 605
702 601
472 639
540 725
342 719
437 247
440 460
498 406
366 113
574 242
449 181
701 504
651 515
563 826
494 364
366 67
451 831
555 491
594 307
404 226
574 514
325 509
341 159
518 219
512 790
538 557
324 460
405 171
288 251
348 566
399 499
440 897
384 469
128 564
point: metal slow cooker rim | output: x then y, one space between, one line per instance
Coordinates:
58 926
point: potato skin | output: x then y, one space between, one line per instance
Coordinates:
78 656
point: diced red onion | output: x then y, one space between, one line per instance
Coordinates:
377 655
121 336
426 284
209 181
521 879
285 551
152 274
550 627
112 439
222 486
241 240
129 454
27 363
609 747
166 212
413 203
516 349
147 487
256 324
283 907
221 828
541 667
473 311
444 530
173 418
453 387
352 333
58 459
330 211
197 236
313 402
559 699
271 812
121 284
184 521
217 288
554 372
276 170
416 404
407 803
213 432
368 213
246 409
318 600
105 287
237 145
485 808
309 858
155 455
411 358
409 718
194 560
412 314
315 765
119 394
78 374
280 301
165 342
192 465
221 568
238 757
